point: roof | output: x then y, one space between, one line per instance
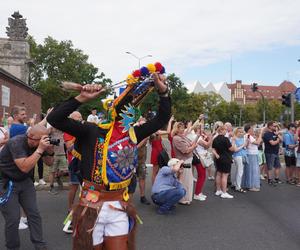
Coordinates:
269 92
20 82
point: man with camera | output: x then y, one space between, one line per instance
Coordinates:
60 164
17 158
167 190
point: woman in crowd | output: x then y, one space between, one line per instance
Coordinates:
239 157
183 149
204 142
222 150
251 179
157 146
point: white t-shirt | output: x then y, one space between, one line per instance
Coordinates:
200 149
252 149
93 118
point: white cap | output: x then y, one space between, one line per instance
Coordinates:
173 161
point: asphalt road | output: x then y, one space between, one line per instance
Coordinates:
265 220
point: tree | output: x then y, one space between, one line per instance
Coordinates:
56 61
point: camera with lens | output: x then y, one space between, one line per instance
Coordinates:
185 165
54 142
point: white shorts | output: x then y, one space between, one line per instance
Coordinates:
110 222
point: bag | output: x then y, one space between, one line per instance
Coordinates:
196 159
206 159
163 158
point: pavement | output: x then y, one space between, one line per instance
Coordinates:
256 220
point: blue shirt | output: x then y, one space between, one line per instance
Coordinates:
165 180
239 142
289 139
17 129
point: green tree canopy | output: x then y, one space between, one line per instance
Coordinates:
56 61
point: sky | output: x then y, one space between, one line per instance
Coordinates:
204 40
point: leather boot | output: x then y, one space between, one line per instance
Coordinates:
116 242
98 247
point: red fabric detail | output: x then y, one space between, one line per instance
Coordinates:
68 137
201 171
172 149
156 149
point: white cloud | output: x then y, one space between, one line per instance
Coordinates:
180 34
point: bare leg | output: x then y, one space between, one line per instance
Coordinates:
72 193
142 185
218 181
154 172
224 178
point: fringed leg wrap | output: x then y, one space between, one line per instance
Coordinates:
82 222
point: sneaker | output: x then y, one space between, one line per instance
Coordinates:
218 193
254 189
68 228
272 183
203 195
211 178
24 220
226 196
161 211
60 183
22 225
278 181
53 191
199 197
144 200
262 177
36 184
42 182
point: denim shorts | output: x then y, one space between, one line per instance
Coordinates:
273 161
72 172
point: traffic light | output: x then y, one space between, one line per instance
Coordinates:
286 100
254 87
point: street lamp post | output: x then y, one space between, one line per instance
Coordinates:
264 107
137 57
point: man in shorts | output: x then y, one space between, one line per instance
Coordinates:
60 164
272 140
290 145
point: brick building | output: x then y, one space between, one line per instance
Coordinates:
14 69
243 94
13 91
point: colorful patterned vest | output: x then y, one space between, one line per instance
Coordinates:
115 157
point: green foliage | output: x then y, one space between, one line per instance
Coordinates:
55 61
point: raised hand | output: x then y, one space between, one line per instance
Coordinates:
89 92
160 82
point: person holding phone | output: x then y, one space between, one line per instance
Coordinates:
251 179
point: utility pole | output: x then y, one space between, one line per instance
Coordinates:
292 107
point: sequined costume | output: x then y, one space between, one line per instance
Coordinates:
108 159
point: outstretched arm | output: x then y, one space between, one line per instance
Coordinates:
58 118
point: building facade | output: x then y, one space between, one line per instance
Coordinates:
243 94
13 91
14 70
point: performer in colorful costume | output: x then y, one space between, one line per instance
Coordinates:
104 217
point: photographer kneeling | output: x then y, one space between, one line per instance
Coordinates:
18 157
167 190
